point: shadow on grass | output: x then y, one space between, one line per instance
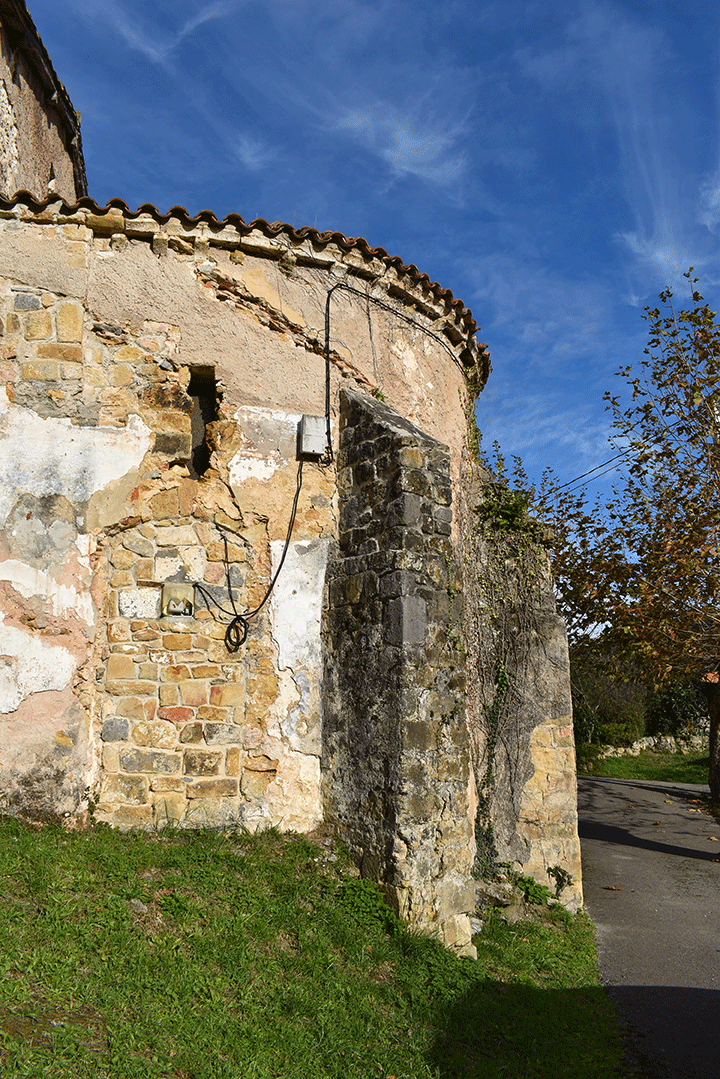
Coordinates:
554 1034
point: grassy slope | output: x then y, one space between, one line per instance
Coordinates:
666 767
208 956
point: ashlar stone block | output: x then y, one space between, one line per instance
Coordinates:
212 788
69 322
213 813
222 733
158 733
115 729
126 817
255 784
40 371
38 326
199 762
119 666
126 687
406 621
149 760
132 790
162 783
193 693
191 734
168 809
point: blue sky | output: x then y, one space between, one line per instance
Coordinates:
554 163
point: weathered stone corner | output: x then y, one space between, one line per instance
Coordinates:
395 754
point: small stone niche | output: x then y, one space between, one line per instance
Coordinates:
203 390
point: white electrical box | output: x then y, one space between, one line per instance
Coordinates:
178 600
312 436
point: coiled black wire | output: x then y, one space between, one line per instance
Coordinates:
238 628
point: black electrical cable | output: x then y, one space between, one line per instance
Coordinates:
328 429
571 483
238 628
237 631
386 307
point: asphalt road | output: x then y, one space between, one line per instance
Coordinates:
651 877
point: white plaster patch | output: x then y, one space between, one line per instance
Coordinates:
194 562
296 603
274 424
140 603
166 565
177 536
244 468
295 611
294 796
86 545
277 723
403 351
30 665
51 457
269 439
63 598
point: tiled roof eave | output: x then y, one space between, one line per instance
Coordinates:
403 282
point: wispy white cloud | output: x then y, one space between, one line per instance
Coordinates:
336 28
414 140
611 58
544 427
660 251
552 68
253 153
217 10
156 43
543 311
555 345
660 240
709 210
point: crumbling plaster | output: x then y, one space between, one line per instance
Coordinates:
104 319
46 456
49 472
126 341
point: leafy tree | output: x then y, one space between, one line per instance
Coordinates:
641 569
610 706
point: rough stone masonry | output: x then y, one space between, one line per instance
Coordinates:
396 755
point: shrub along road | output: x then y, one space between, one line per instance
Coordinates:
651 876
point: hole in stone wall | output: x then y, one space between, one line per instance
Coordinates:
202 388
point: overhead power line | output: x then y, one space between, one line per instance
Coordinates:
570 483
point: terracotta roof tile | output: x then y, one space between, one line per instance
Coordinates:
464 329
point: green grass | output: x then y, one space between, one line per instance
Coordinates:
649 764
210 956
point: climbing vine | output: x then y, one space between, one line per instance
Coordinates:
506 584
486 852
